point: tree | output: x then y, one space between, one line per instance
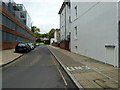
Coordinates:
34 29
37 35
51 33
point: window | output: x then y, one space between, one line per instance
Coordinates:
69 19
4 20
76 32
0 35
4 35
24 21
0 18
69 5
7 36
22 15
76 11
76 48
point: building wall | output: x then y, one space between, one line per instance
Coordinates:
13 30
97 26
62 25
28 21
52 40
65 25
119 33
68 20
55 36
58 35
65 22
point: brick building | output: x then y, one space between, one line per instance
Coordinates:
14 24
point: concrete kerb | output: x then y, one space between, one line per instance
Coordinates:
70 75
11 61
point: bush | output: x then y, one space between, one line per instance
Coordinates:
47 42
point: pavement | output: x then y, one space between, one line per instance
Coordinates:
86 72
7 56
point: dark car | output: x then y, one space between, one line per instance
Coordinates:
22 47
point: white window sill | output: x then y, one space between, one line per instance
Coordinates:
75 39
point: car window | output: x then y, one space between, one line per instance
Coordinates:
21 45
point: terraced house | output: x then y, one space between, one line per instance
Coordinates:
93 29
15 24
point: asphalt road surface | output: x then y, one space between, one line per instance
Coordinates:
36 69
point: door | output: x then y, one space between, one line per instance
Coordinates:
110 55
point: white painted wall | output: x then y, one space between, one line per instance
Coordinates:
62 25
64 22
97 26
68 23
118 33
52 40
55 36
119 11
28 21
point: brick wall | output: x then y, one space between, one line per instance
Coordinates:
8 45
64 45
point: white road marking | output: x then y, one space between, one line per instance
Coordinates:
78 68
60 72
88 67
62 76
72 68
69 69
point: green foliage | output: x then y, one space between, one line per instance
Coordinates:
37 35
34 29
43 35
47 42
51 33
38 40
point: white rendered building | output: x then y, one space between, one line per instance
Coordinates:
65 21
95 30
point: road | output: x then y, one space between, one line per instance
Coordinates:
36 69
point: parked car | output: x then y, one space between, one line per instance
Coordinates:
37 44
31 46
22 47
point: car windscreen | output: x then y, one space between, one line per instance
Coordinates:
21 45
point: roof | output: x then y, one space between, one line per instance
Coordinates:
63 5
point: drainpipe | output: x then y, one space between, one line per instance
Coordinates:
65 25
119 44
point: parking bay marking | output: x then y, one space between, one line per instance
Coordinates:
78 68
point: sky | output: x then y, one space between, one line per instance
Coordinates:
44 13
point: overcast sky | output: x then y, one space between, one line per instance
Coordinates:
44 13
